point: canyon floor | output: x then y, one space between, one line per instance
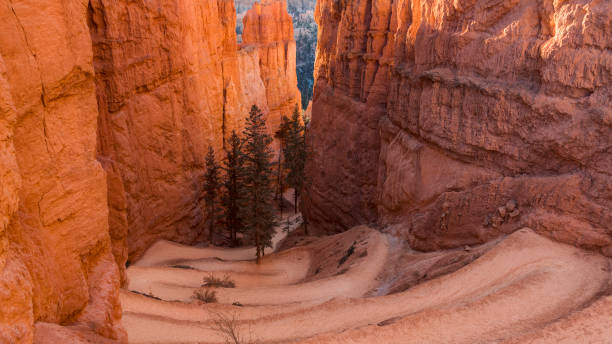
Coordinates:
362 286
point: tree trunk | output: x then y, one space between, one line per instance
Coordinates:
295 200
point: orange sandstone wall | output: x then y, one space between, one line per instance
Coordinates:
168 88
454 122
172 81
56 262
268 29
107 108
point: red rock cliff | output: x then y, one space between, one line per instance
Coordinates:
56 264
136 89
172 81
168 87
268 29
452 122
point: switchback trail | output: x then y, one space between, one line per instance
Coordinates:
525 289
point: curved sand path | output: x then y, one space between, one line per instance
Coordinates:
522 284
271 283
179 284
164 252
590 325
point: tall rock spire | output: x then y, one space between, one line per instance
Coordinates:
268 28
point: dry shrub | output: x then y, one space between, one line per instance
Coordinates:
206 295
214 282
228 325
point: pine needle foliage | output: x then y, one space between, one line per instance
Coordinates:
234 189
211 190
295 154
258 220
281 136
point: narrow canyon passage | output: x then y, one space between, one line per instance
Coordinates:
452 161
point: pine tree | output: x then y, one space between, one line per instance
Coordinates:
211 189
295 155
281 135
259 221
232 199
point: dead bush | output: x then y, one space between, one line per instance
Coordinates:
228 325
206 295
214 282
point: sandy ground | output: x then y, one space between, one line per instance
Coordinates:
525 289
164 252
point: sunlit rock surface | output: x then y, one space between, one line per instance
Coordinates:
268 28
56 262
107 108
173 81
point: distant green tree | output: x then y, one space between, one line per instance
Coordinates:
211 189
259 220
281 135
295 154
232 199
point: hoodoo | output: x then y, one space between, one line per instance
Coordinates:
268 29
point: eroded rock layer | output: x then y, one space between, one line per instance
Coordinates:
268 28
56 262
107 108
168 88
463 120
171 82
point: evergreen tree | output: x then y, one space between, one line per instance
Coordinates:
281 135
258 220
232 199
211 189
295 154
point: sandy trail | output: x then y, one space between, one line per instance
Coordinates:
271 283
164 252
523 284
591 325
355 282
178 284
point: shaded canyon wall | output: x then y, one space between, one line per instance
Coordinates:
452 122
